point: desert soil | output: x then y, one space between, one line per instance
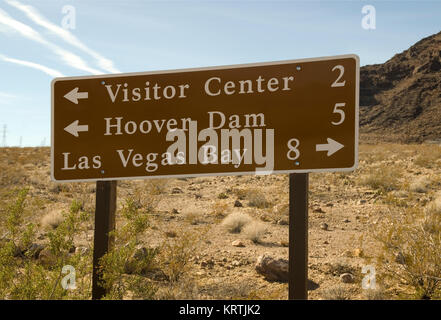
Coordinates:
345 202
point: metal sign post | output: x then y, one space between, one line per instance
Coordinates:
104 224
298 236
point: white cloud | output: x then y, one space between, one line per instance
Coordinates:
47 70
6 98
7 21
64 34
24 30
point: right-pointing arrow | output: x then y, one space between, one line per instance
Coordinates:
74 95
74 128
332 147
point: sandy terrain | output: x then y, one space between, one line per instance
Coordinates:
390 178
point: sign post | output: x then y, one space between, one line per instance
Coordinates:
294 116
298 236
104 224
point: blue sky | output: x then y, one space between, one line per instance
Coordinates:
139 35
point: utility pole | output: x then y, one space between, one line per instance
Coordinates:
4 136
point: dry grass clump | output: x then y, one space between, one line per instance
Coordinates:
374 294
257 198
184 289
412 250
236 221
428 156
432 217
176 254
434 206
194 217
281 210
254 231
241 194
222 195
52 219
148 193
398 199
419 185
156 186
337 292
382 178
220 209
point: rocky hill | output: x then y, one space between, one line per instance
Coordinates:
400 100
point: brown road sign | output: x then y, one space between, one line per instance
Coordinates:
281 117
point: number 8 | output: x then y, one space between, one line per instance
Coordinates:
293 148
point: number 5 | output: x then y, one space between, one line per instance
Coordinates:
339 111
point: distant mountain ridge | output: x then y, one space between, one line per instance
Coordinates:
400 100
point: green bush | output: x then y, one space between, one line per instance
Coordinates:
125 265
23 275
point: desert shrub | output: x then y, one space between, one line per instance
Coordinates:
222 195
176 254
11 175
241 194
392 199
419 185
235 222
15 213
137 221
23 275
156 186
412 250
194 217
237 290
428 156
257 198
281 210
434 206
219 209
374 294
184 289
337 292
383 178
123 271
147 194
52 219
30 269
254 231
124 266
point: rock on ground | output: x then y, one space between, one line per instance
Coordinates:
273 269
347 278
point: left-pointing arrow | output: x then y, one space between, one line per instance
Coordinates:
74 95
74 128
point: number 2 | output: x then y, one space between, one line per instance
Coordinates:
336 82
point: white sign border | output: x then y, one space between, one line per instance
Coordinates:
357 97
